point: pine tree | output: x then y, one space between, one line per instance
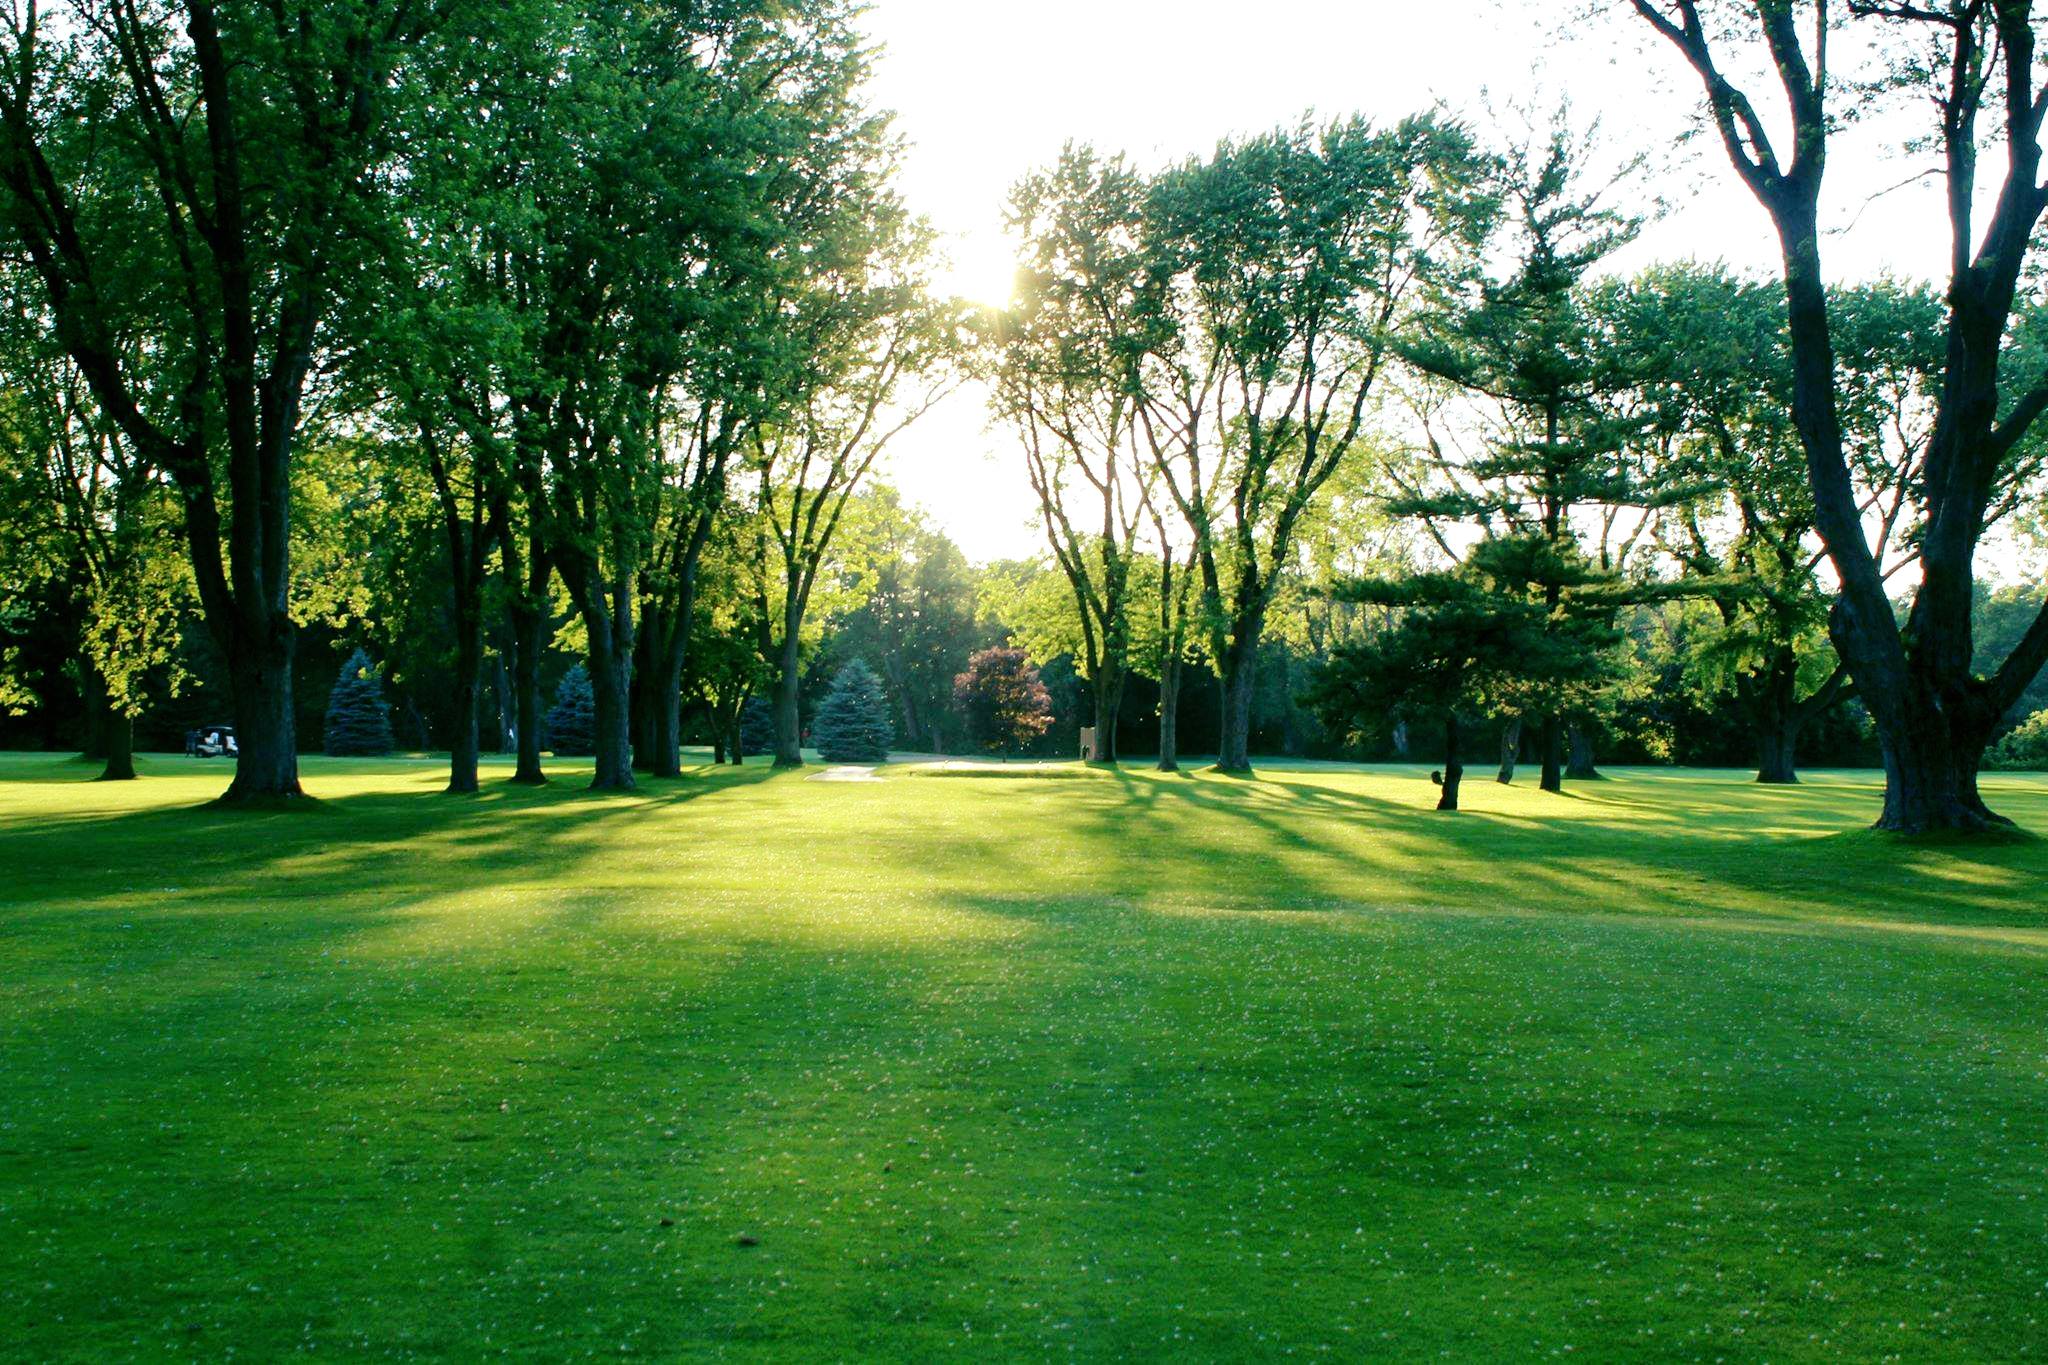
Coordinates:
852 725
1479 640
358 721
757 727
1002 700
572 720
1531 345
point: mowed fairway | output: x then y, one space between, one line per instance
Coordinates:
1067 1064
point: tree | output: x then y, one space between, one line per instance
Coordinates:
1708 351
572 720
818 161
437 344
191 188
1528 344
358 721
1934 713
1001 700
85 513
609 276
1471 641
917 621
879 358
626 275
1287 266
852 724
1066 366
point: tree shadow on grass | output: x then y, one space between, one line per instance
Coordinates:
1304 843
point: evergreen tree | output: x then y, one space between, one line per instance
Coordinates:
852 725
572 720
1563 439
1480 640
1002 700
757 727
358 721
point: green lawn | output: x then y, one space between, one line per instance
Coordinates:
1064 1064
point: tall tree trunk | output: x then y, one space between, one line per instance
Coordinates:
98 711
789 752
1551 740
611 730
120 748
1778 722
469 670
266 732
1169 715
110 732
1510 750
1580 765
1240 680
1931 716
607 611
641 703
529 626
1454 770
1109 696
501 693
664 700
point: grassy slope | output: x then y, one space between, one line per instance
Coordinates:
1108 1065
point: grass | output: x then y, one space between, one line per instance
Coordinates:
1115 1065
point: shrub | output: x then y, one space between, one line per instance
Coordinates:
572 720
358 720
852 724
2025 747
1002 701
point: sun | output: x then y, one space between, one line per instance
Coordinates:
981 268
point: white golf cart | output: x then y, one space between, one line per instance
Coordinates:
211 741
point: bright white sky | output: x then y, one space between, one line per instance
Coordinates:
986 89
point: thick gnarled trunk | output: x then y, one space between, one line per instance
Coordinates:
1930 766
1777 760
1510 751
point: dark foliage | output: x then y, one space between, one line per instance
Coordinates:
1002 701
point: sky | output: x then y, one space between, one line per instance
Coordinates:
984 90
